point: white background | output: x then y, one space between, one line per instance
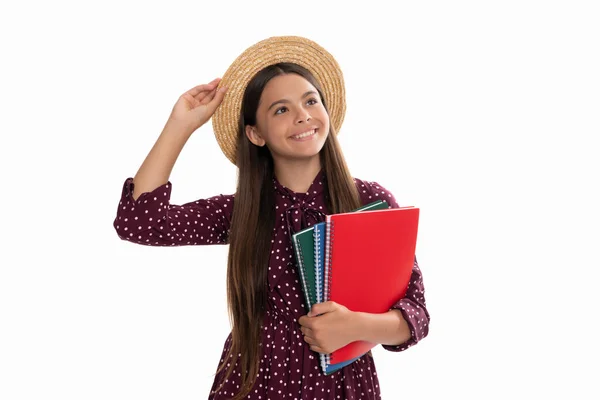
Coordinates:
492 108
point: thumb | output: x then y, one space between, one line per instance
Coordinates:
214 103
320 308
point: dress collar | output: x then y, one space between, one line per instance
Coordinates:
315 189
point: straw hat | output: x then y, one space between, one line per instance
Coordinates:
293 49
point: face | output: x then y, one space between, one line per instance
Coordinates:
291 119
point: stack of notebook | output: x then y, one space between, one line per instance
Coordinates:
362 260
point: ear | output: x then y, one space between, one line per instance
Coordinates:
254 136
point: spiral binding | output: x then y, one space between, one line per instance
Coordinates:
318 271
329 235
302 277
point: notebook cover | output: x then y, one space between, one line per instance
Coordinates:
331 368
304 250
303 242
319 236
369 260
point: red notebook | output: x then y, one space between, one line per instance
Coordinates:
369 257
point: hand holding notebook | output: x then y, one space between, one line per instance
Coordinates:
369 258
361 262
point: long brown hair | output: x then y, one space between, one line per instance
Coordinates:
253 221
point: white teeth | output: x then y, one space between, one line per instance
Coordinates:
303 135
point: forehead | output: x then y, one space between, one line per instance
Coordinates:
286 86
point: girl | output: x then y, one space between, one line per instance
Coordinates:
291 174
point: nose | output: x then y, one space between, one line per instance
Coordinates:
303 116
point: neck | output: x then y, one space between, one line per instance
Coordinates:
297 175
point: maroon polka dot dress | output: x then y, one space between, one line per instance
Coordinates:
288 368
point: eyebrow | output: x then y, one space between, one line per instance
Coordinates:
287 101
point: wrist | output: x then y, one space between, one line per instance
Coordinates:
180 128
358 326
386 328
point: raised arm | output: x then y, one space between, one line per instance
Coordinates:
192 110
145 214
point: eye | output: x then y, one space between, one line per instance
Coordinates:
280 110
312 102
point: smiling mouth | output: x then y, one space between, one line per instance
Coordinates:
305 134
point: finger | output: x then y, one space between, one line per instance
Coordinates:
208 96
311 341
200 96
306 331
218 98
318 349
305 322
202 88
203 94
321 308
191 99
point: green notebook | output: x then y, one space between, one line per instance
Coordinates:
304 246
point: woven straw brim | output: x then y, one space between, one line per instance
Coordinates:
293 49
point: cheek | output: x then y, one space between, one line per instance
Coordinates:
276 127
276 124
323 116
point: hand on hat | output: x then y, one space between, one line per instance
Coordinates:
195 107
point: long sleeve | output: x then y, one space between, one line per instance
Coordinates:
412 305
153 221
413 309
